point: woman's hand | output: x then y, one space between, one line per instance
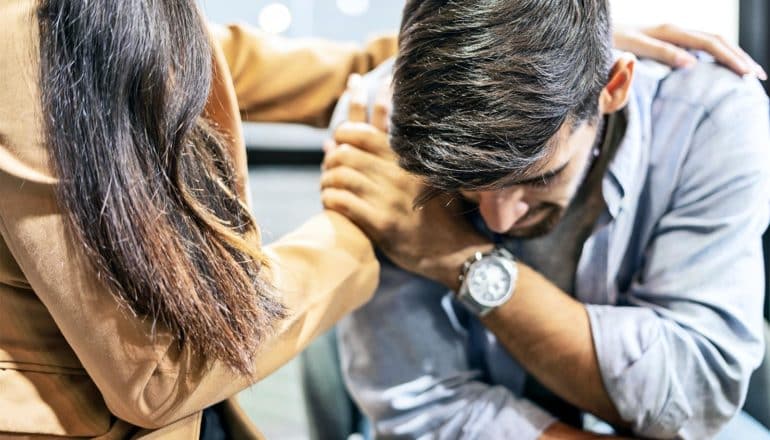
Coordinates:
669 44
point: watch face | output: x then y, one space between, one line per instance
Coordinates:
491 281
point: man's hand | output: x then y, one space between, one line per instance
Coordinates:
361 180
560 431
668 44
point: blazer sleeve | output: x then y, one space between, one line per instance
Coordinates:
293 80
323 270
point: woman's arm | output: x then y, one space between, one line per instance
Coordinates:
281 79
323 270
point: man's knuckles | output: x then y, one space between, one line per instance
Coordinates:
362 135
344 178
338 200
347 155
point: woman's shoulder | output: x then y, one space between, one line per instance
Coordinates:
21 149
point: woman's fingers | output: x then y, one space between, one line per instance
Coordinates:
383 105
648 47
358 98
328 146
717 46
759 71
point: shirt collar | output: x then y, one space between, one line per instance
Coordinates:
624 170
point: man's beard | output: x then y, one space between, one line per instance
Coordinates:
555 213
553 216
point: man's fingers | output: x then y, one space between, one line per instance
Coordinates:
358 98
383 105
328 146
349 156
364 136
352 207
349 179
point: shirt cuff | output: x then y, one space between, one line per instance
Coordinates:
539 419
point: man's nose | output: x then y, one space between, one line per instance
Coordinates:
502 209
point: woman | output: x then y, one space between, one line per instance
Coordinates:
133 286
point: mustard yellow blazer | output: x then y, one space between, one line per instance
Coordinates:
71 362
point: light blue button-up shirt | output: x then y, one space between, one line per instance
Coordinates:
672 278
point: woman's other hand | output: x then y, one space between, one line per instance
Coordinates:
669 44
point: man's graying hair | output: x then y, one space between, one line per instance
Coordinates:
482 86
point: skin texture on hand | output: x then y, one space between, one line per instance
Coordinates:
560 431
361 179
668 44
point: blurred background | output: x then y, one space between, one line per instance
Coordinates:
284 158
355 19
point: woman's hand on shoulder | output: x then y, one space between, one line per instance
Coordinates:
669 44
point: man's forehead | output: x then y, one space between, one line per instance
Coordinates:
556 157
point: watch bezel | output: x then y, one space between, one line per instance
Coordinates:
508 264
481 307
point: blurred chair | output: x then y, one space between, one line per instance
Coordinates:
755 39
758 399
331 413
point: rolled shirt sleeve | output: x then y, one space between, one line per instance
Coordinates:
677 353
404 359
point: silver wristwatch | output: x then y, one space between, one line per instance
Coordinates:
488 281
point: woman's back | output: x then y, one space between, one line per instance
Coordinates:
74 360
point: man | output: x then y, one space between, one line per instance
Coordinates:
615 266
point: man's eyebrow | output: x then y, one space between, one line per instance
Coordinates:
542 179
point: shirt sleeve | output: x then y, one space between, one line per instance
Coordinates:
404 361
677 357
279 79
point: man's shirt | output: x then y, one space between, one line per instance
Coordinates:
671 275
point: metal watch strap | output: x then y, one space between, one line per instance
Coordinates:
473 306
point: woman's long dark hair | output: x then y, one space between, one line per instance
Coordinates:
146 183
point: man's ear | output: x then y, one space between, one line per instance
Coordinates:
615 94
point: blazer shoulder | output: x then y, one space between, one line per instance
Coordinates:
22 151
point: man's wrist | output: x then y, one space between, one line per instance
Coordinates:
447 269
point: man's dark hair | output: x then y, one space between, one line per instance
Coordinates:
482 86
